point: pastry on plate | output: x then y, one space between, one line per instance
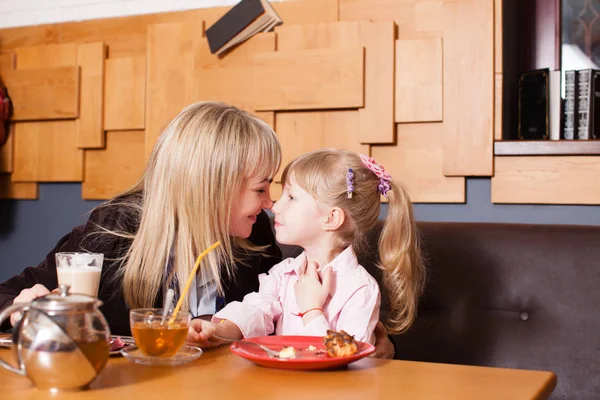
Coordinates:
340 344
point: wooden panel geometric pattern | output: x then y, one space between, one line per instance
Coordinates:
376 118
301 132
46 151
333 85
468 87
47 56
125 93
230 79
42 94
17 190
110 171
419 83
89 125
416 162
169 74
546 180
322 78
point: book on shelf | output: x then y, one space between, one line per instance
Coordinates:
533 104
244 20
555 105
570 112
588 104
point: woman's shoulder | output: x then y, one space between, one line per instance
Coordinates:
121 214
110 225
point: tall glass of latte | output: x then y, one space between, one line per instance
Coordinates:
81 271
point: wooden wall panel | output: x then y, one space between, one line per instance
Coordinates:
415 19
416 162
376 118
47 152
468 87
126 36
318 36
297 12
498 42
111 171
419 83
125 93
238 55
90 124
546 180
301 132
230 79
7 62
323 78
170 65
27 36
498 85
49 93
17 190
47 56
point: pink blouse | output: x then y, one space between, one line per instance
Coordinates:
353 304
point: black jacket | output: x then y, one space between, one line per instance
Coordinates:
110 292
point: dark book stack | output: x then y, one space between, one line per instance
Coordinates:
244 20
534 94
588 104
570 112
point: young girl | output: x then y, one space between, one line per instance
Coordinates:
330 201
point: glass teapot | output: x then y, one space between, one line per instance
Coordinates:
62 341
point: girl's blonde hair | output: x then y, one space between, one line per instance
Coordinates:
184 199
323 174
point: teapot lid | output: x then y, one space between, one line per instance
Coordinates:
65 301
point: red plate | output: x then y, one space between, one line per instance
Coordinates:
305 359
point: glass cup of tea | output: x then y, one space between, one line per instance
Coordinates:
81 271
158 336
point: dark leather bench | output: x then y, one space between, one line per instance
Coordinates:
509 295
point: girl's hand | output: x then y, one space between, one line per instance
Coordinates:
310 291
200 334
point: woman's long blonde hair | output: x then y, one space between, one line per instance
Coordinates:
323 173
185 197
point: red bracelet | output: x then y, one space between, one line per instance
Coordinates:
302 314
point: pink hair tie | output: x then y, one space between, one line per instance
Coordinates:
384 177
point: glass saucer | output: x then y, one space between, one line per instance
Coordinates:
184 355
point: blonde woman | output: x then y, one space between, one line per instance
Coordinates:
207 179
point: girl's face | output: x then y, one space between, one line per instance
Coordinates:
254 196
298 220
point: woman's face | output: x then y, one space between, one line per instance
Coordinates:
254 196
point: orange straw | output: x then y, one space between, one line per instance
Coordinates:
190 279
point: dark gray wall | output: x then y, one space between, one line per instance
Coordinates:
29 229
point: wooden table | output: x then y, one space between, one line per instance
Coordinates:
218 374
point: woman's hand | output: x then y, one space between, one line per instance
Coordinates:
26 296
309 290
383 345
